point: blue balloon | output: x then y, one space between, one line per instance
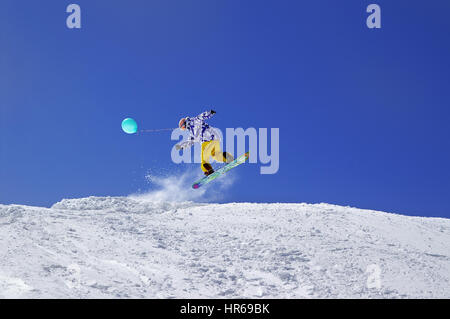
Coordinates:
129 126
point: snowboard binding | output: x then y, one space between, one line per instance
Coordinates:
208 168
227 157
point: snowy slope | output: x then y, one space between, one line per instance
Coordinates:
127 247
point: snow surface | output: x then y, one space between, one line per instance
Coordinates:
131 247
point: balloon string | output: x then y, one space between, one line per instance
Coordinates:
156 130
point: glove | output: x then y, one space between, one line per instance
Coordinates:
178 147
213 112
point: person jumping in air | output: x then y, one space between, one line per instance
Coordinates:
201 132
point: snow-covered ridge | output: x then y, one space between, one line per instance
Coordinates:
120 247
120 204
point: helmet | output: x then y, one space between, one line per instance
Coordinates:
182 123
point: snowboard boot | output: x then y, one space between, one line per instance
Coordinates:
209 169
227 157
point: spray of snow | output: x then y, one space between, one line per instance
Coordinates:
170 187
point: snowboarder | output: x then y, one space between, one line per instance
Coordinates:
201 132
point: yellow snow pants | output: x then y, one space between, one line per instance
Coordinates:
212 149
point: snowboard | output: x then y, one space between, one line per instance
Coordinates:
205 180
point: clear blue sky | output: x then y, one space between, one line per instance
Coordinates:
363 114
